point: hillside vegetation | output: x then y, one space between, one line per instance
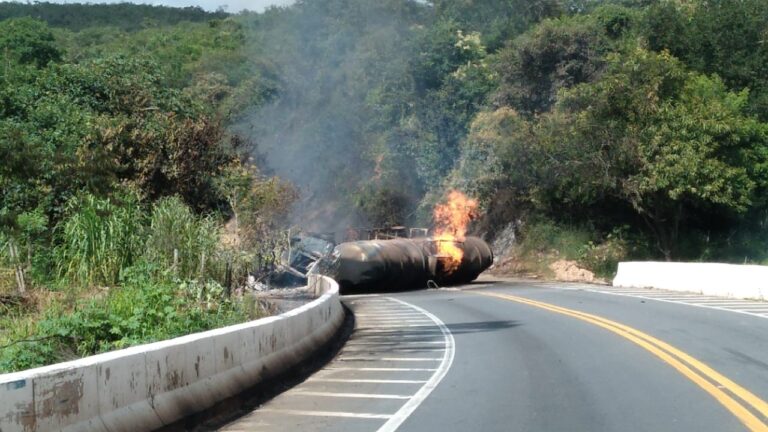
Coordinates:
124 16
118 174
590 130
639 125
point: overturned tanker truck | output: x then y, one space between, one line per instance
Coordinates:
405 263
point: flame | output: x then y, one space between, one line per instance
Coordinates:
451 220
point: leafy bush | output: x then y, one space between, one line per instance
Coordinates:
173 227
603 258
259 206
99 238
143 309
546 237
7 276
28 41
86 117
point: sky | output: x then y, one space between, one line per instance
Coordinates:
210 5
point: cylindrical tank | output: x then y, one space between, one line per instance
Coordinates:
397 264
477 256
380 265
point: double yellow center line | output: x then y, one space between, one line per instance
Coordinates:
738 400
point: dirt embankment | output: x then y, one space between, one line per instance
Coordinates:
570 271
515 261
544 268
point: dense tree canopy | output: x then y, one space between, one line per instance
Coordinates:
598 113
27 41
726 37
126 16
670 143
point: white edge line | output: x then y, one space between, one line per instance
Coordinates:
406 410
388 315
370 381
380 369
386 343
350 395
396 333
388 326
703 306
411 335
359 349
405 359
325 413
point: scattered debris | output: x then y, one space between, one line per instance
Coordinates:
386 233
306 252
253 285
301 258
9 302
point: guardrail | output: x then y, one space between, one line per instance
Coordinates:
724 280
148 386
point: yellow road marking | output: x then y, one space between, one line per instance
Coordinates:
695 370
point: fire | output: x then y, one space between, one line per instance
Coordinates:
451 220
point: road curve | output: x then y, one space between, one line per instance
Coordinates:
534 357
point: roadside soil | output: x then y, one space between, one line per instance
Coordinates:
543 267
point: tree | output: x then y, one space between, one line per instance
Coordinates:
79 16
558 54
497 20
497 166
27 41
259 207
672 144
461 81
726 37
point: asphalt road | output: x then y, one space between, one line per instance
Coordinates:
519 356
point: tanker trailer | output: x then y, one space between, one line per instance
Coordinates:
398 264
379 265
476 258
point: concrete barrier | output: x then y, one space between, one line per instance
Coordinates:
145 387
724 280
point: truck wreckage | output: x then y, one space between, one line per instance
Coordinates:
384 259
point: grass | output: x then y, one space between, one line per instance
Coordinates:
547 237
142 309
173 226
542 242
116 283
98 239
7 280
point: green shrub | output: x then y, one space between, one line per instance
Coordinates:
21 347
544 236
141 310
99 237
29 354
7 275
173 226
603 258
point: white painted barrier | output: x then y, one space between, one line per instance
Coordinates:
145 387
724 280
